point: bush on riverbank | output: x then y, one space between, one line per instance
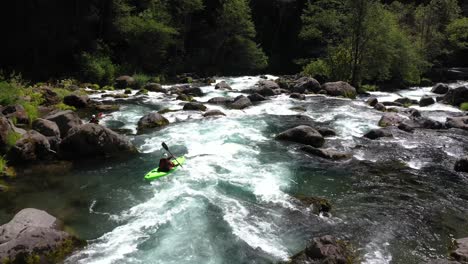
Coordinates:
464 106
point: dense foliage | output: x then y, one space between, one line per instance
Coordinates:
359 41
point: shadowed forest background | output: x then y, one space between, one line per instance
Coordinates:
363 41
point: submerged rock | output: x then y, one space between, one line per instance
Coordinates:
304 135
405 101
220 100
440 88
462 166
327 153
320 205
91 140
326 249
65 120
378 133
241 102
340 89
194 107
152 120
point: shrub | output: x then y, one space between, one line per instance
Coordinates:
369 88
97 68
317 68
141 80
2 164
108 88
12 138
63 107
464 106
9 93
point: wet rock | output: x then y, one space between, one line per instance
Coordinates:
65 120
405 101
327 153
426 101
124 81
194 107
340 89
32 147
6 128
380 107
210 113
50 97
128 91
35 234
91 140
326 249
220 100
372 101
306 84
256 97
457 122
106 108
297 96
322 92
78 101
116 96
267 85
378 133
17 112
154 87
223 86
46 127
427 123
184 97
263 77
462 166
440 88
461 251
441 261
456 96
390 119
304 135
406 127
241 102
393 104
411 112
326 132
152 120
320 205
285 83
193 91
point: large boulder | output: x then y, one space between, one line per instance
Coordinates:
223 86
373 101
240 102
50 97
78 101
220 100
193 91
256 97
327 153
462 166
265 91
457 122
270 85
390 119
34 236
326 249
152 120
6 128
456 96
378 133
340 89
304 135
17 112
46 127
124 81
461 251
440 88
91 140
65 120
32 147
194 106
426 101
154 87
306 84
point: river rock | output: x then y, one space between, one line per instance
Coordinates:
154 87
267 85
427 123
404 126
405 101
426 101
304 135
393 104
456 96
223 86
78 101
327 153
17 112
106 107
32 147
390 119
457 122
461 251
241 102
306 84
35 234
152 120
462 166
184 97
65 120
340 89
194 106
210 113
297 96
91 140
124 81
378 133
380 107
6 128
220 100
256 97
372 101
441 261
326 249
50 97
193 91
46 127
440 88
326 132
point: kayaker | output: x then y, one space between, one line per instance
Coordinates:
94 119
165 164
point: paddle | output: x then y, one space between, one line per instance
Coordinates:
167 148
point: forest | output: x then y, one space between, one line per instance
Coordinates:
362 41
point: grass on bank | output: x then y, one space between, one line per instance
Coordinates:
464 106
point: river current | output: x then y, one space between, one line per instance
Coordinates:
397 200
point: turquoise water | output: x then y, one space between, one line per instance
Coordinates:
233 201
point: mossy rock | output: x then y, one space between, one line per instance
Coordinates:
128 91
108 88
142 92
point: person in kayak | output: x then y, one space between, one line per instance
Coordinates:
94 119
165 164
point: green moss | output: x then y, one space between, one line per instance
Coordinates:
141 80
94 87
61 92
63 107
369 88
464 106
142 91
108 88
12 138
128 91
32 110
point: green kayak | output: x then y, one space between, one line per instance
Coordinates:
155 174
